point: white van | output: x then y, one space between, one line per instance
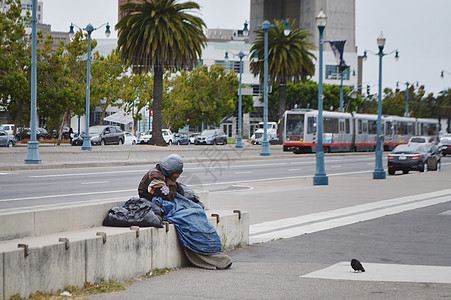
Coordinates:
257 137
9 128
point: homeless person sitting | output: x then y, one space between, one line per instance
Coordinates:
181 206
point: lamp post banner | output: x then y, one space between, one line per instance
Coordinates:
338 47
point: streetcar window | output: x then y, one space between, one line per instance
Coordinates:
402 128
295 125
410 128
359 126
348 128
365 127
311 125
342 126
389 128
372 127
330 125
433 129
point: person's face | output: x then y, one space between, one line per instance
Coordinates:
174 176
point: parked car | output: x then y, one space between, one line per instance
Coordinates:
6 139
145 137
102 135
192 137
444 147
130 139
9 128
168 136
181 139
427 140
65 135
413 156
25 133
211 137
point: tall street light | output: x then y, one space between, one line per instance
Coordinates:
89 29
320 177
406 113
239 140
266 26
442 73
379 172
33 145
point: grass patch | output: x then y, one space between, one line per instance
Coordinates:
231 141
159 272
103 287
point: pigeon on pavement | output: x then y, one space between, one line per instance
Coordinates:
357 266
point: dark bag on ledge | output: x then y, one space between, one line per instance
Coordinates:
135 212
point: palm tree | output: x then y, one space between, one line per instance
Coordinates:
160 35
289 59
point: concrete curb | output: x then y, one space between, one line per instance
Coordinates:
58 256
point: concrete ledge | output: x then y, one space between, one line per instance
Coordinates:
92 254
37 221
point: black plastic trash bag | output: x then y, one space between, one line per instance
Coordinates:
135 212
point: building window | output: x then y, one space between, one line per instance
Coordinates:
332 73
257 90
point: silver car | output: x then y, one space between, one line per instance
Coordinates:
6 139
211 137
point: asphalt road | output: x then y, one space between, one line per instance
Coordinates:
57 186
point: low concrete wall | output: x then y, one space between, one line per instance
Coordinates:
37 221
109 253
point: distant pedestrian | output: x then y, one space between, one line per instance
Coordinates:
71 135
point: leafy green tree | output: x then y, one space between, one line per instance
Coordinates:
394 102
160 35
106 73
202 96
289 59
62 81
444 107
135 92
15 91
306 96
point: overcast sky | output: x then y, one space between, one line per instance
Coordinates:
419 29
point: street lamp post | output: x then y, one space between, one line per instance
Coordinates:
442 73
89 29
320 177
406 114
241 55
33 145
266 26
341 92
379 172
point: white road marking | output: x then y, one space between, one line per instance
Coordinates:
95 182
244 172
294 170
5 174
336 166
385 272
296 226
